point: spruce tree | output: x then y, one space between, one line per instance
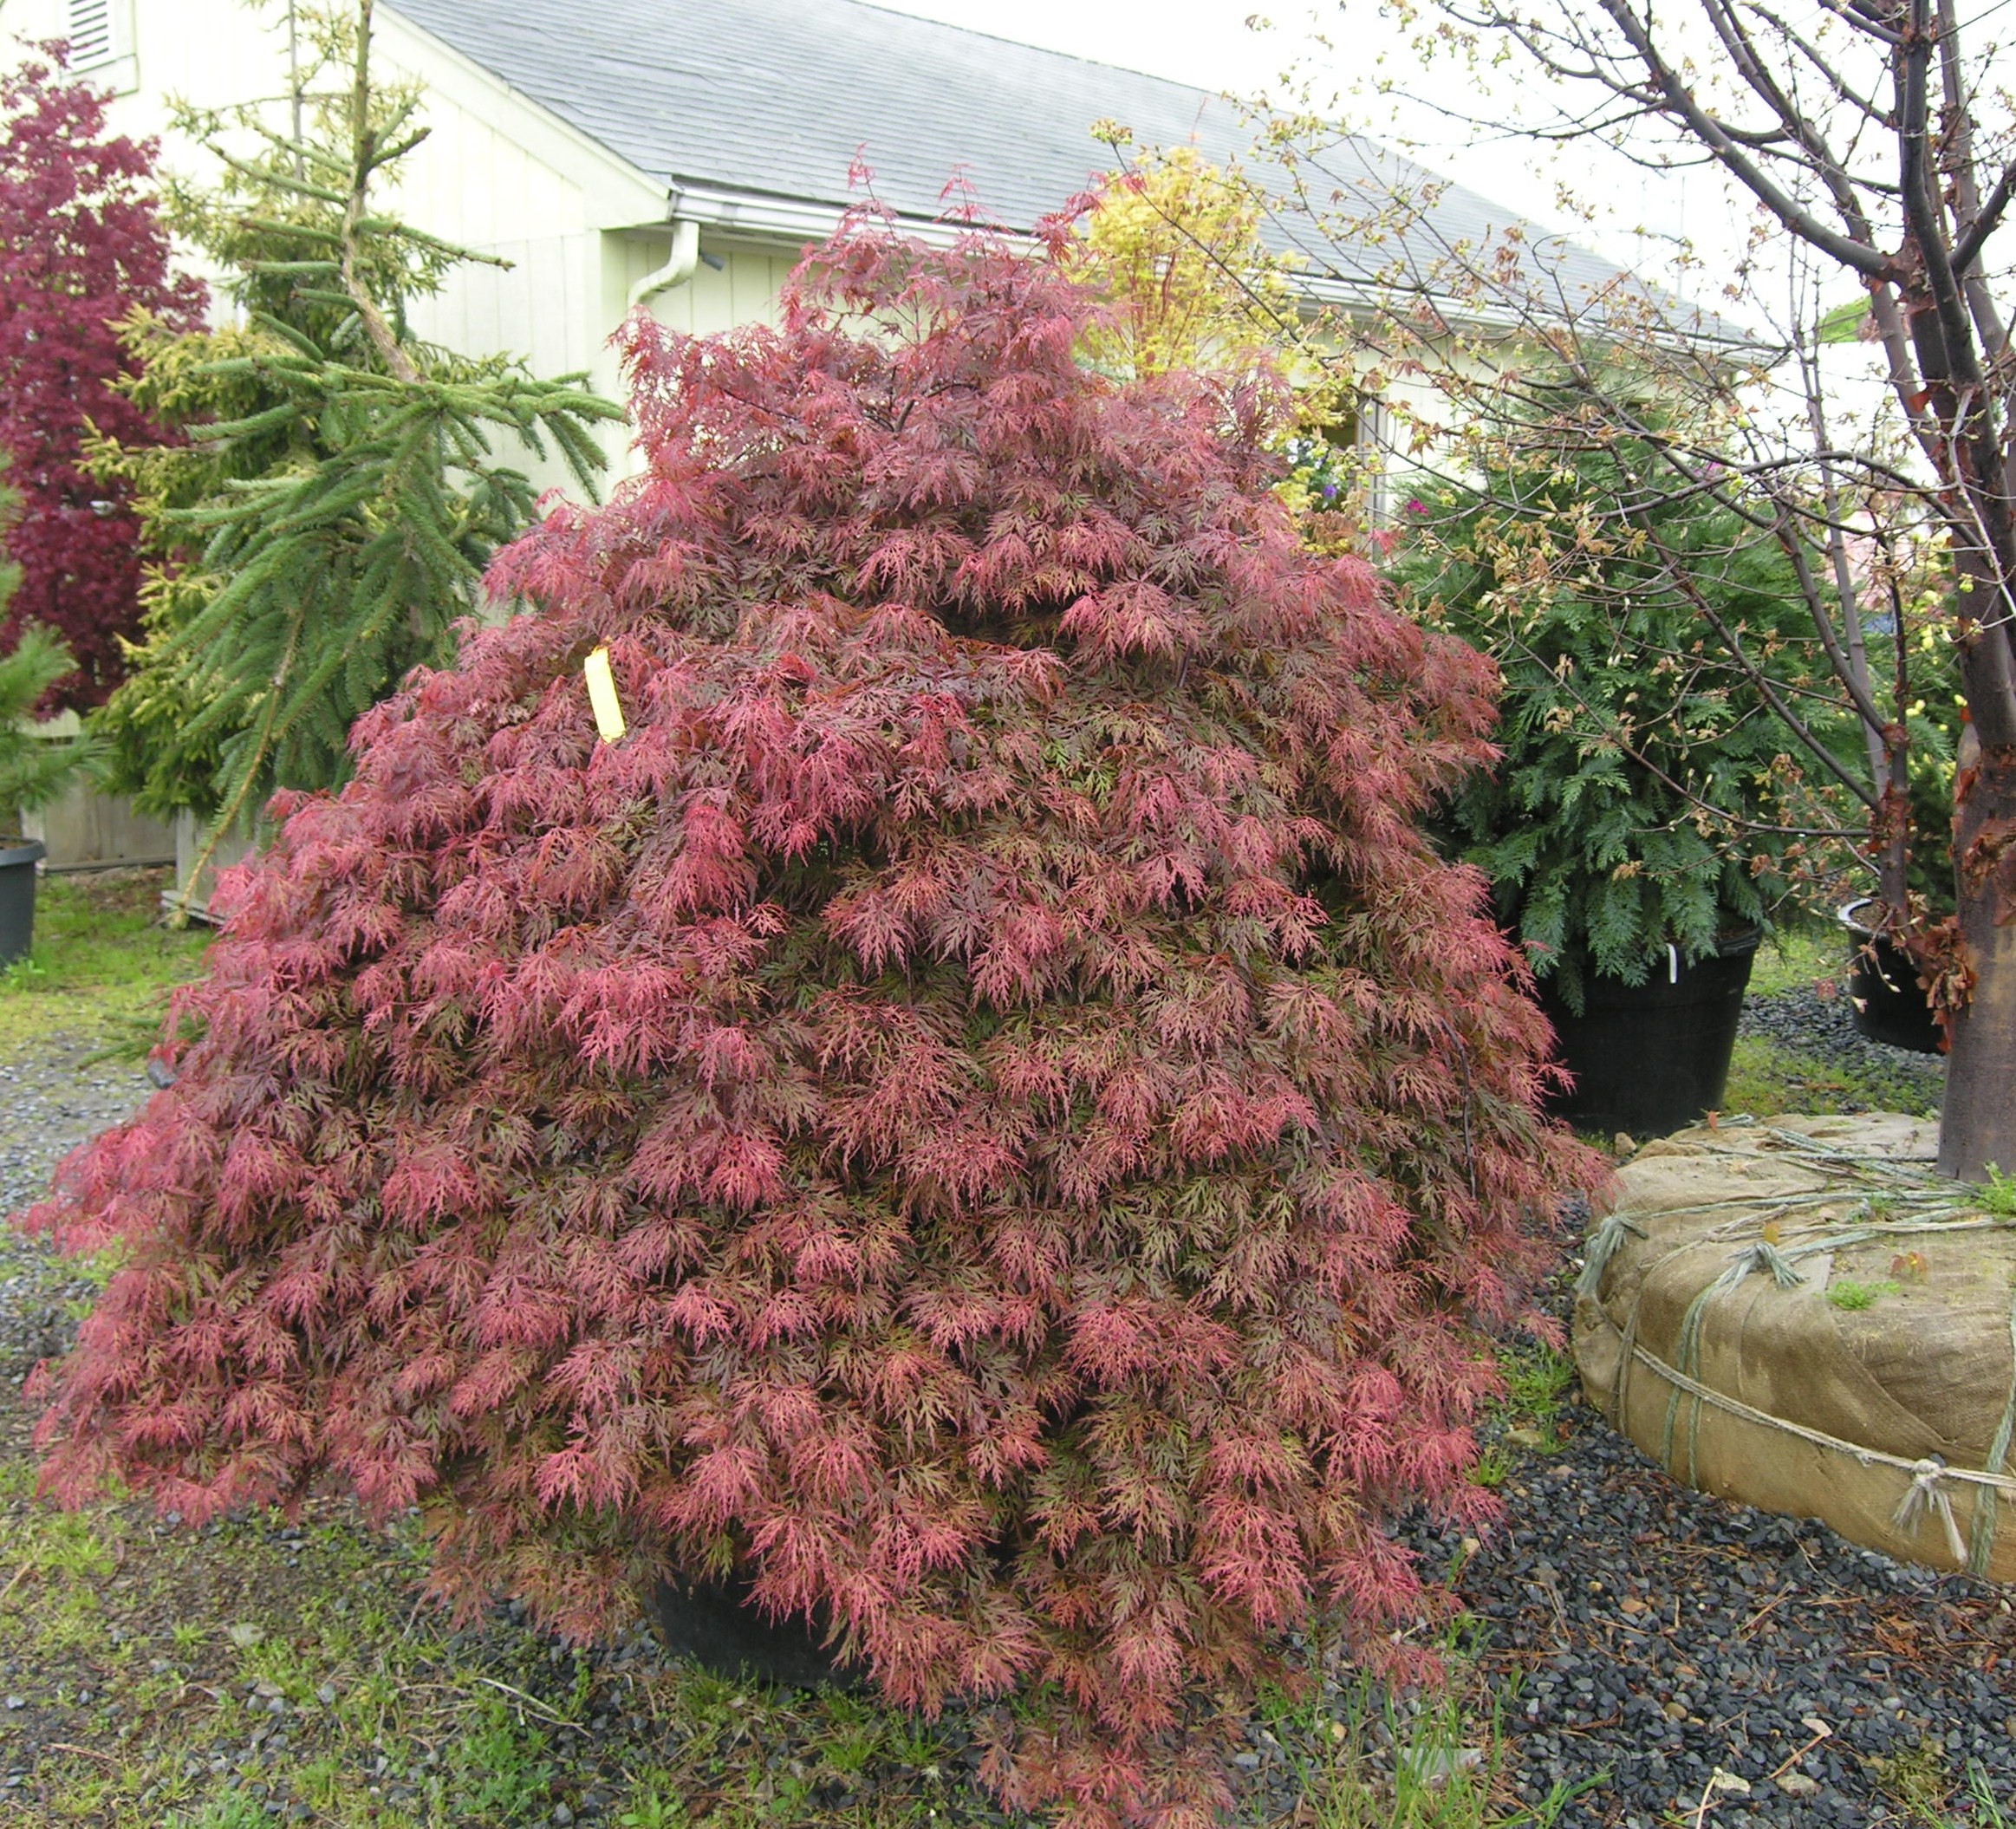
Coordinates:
33 771
341 484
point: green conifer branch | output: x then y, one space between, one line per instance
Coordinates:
329 517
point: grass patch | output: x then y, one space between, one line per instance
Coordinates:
1799 958
1527 1418
1852 1297
102 964
1768 1080
1361 1760
262 1672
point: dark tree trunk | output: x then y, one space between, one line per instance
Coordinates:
1978 1123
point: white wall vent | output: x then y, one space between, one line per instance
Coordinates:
92 34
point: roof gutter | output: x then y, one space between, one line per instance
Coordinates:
686 256
764 216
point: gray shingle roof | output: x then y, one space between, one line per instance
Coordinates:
779 97
776 96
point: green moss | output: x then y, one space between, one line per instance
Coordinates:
1916 1781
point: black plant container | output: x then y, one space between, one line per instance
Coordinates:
718 1626
1882 987
18 858
1652 1057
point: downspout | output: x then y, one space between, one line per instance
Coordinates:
686 255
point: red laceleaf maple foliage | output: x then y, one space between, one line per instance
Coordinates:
981 1110
81 246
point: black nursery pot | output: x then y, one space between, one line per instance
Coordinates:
18 858
718 1626
1648 1058
1883 989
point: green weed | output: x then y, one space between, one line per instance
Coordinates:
1997 1195
499 1767
62 1543
1916 1779
319 1783
1368 1765
651 1808
1537 1377
1988 1812
1494 1464
1853 1297
232 1811
1528 1415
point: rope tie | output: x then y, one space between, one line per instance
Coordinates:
1991 1485
1926 1492
1602 1247
1981 1545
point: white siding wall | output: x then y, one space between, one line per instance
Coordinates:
742 291
496 174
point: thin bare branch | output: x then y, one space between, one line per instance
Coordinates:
1680 103
1968 249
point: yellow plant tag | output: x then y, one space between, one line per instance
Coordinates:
601 695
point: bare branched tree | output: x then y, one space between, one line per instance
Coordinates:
1873 143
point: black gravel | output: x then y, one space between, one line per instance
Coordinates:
1636 1634
1647 1636
53 1097
1655 1635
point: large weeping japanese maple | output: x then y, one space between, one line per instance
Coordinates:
981 1110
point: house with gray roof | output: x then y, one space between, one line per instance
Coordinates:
680 153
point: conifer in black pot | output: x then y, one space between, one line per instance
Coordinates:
1642 826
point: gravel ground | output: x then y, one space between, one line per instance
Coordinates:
1652 1632
1635 1629
50 1102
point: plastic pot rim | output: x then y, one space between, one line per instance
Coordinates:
1728 946
1845 916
